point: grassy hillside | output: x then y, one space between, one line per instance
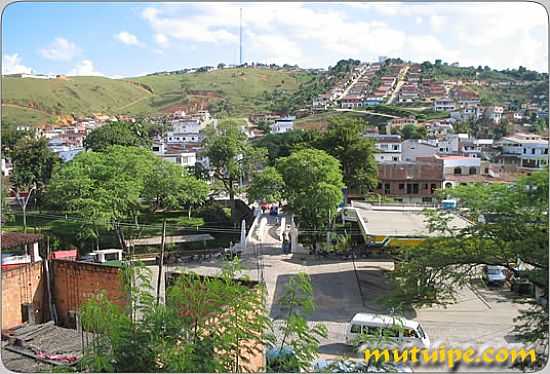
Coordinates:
243 88
28 100
66 96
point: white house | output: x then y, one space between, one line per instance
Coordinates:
283 125
388 147
526 151
494 113
443 104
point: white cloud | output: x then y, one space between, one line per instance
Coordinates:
60 50
193 28
437 23
470 33
161 40
129 39
11 64
85 68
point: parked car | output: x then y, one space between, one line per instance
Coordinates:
520 283
494 275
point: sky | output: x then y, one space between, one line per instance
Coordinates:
132 39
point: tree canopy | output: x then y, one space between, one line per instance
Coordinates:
104 187
117 133
268 186
344 140
33 164
313 181
231 157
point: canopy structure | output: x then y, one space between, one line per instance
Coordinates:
157 240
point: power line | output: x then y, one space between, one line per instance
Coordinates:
212 229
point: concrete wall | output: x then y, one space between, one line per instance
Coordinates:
22 285
75 282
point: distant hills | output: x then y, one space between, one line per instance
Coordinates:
242 90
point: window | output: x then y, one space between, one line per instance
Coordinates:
409 333
524 150
395 147
532 151
401 186
425 186
545 151
415 188
396 158
432 187
156 149
379 187
472 171
457 171
486 170
391 332
387 188
356 329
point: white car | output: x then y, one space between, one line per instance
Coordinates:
368 329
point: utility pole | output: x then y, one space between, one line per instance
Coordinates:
23 201
240 36
161 260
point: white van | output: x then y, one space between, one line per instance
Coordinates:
386 330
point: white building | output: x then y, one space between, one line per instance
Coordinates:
525 151
494 113
443 105
283 125
454 166
176 153
388 147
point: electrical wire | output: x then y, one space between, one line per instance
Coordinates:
209 228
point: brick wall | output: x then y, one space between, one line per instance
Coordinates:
76 282
21 285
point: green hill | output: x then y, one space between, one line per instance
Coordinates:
28 100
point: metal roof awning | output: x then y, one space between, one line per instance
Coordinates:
157 240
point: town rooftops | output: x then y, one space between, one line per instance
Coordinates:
524 138
15 239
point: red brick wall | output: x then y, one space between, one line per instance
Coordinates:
21 285
76 282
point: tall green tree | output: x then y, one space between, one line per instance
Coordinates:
169 186
267 185
118 133
282 145
101 187
344 140
231 157
413 132
313 181
33 165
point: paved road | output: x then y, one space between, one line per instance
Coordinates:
478 317
399 84
365 112
350 86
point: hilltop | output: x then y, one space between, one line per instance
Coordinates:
29 100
